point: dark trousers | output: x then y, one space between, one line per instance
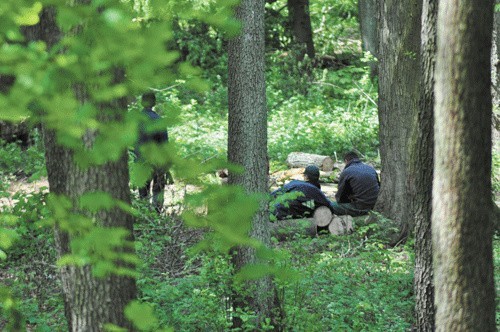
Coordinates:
341 209
157 183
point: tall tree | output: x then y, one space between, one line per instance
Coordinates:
368 23
247 137
420 174
462 229
300 23
495 55
399 93
90 302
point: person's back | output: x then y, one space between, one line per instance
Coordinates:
358 187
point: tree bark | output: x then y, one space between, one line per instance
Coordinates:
300 23
247 140
301 159
495 57
462 228
399 92
421 173
90 302
368 24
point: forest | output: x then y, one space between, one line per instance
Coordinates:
413 87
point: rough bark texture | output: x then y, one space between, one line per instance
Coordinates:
300 22
247 137
399 92
368 23
301 159
461 224
420 175
495 58
89 302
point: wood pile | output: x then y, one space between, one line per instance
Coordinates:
322 218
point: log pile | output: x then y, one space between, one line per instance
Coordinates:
323 218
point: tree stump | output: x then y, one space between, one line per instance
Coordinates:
301 159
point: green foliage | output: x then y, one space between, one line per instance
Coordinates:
21 163
30 259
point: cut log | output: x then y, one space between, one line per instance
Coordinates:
340 225
322 216
285 229
301 159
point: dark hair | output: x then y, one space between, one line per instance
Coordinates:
312 173
350 156
148 99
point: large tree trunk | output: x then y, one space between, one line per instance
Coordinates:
495 57
461 222
399 92
300 23
90 302
420 175
368 24
247 139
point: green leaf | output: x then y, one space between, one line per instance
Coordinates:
96 201
29 16
141 315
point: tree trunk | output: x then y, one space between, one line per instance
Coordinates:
399 92
462 228
300 23
301 159
368 24
90 302
420 175
495 57
247 140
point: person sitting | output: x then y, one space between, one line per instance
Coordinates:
308 196
358 187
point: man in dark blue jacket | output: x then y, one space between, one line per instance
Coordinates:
160 175
358 188
306 197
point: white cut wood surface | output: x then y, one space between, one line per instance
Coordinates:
340 225
302 159
322 216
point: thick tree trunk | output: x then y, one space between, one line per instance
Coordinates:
368 24
462 228
495 57
399 92
90 302
300 23
301 159
420 175
247 140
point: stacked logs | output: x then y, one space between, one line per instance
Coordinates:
322 219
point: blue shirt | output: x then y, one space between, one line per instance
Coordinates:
311 197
